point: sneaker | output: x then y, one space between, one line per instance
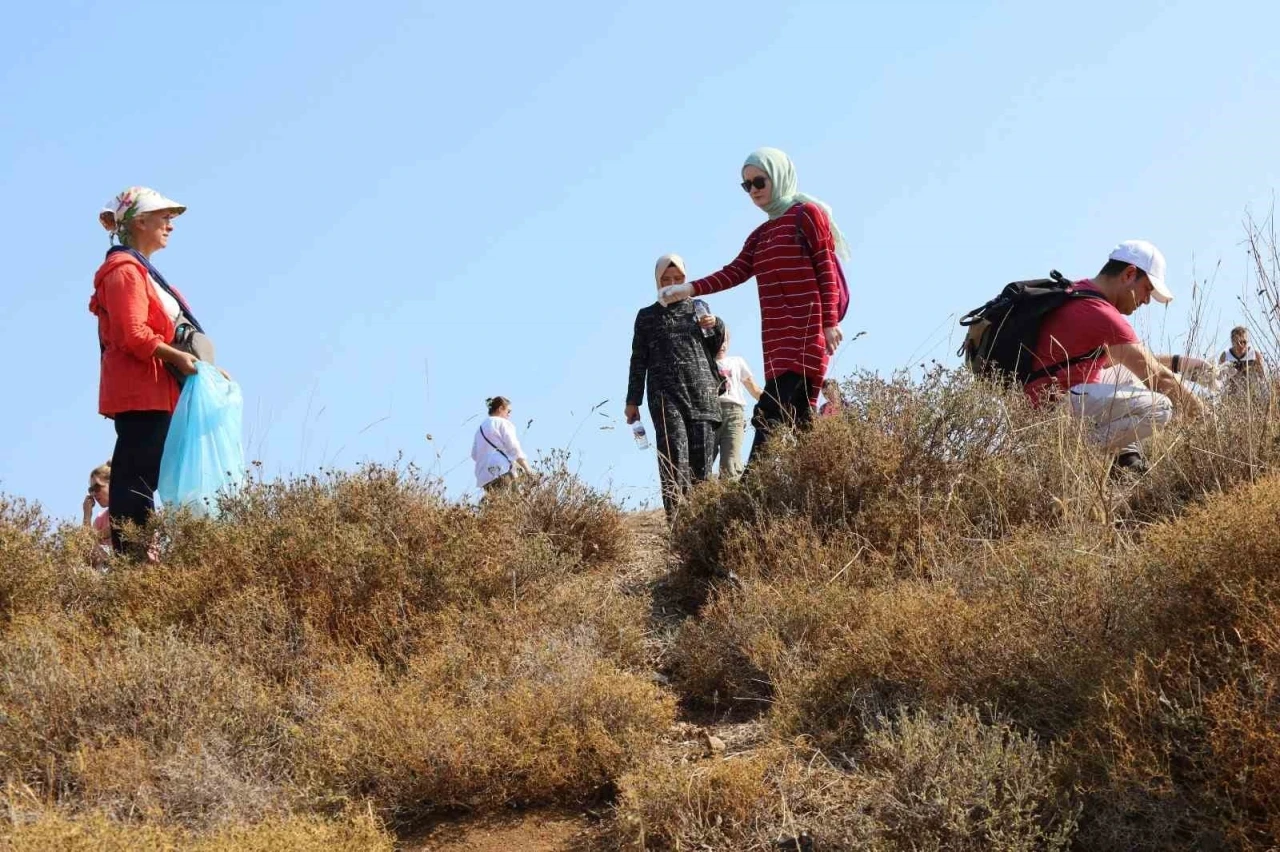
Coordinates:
1129 463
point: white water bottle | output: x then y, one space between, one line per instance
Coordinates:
642 440
700 310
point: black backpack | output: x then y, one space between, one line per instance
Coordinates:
1002 334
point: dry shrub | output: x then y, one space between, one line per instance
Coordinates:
1034 624
344 638
710 805
579 519
546 723
27 574
921 782
1184 754
117 723
955 782
1219 558
97 833
1183 748
894 567
910 467
1237 443
755 801
763 636
362 559
356 558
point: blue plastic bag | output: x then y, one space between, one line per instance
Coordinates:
202 453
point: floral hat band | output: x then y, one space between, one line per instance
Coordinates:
135 201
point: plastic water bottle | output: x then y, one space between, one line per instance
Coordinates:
642 440
699 311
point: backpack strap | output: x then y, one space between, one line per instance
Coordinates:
496 447
1044 372
160 282
1096 352
842 285
801 239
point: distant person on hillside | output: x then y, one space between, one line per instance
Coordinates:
1079 340
1244 366
496 449
793 257
834 403
738 382
137 312
673 351
99 485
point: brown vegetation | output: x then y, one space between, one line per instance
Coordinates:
954 574
350 643
950 627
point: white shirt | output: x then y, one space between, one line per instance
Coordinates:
171 306
1230 357
496 458
735 371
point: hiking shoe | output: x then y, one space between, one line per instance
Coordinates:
1129 463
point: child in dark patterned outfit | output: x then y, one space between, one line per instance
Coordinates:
674 356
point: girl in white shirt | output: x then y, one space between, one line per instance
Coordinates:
738 382
496 450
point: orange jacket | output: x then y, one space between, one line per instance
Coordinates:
131 324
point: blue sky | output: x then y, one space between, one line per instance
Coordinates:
398 209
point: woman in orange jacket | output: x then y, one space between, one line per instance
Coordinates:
137 311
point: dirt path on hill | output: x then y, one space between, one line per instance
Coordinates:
562 830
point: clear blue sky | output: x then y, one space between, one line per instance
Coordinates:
397 210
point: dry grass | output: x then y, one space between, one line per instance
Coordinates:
98 834
943 549
949 781
338 642
954 631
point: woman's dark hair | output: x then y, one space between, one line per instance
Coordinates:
831 383
496 403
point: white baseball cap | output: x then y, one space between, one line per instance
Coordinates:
1148 258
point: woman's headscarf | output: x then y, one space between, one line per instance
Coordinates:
134 201
665 261
782 174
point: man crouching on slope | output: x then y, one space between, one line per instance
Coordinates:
1121 413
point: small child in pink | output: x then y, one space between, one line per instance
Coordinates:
99 489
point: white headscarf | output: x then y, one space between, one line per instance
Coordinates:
665 261
134 201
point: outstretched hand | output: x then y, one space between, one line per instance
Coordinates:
673 293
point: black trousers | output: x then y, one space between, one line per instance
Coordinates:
135 469
785 402
685 447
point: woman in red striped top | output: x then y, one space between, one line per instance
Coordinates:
799 293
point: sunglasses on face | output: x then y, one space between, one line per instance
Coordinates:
757 182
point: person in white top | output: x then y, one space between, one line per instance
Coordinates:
1250 371
496 449
732 431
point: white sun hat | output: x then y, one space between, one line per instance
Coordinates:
1148 258
135 201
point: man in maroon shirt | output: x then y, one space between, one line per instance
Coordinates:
1124 392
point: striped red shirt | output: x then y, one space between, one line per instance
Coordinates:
798 295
